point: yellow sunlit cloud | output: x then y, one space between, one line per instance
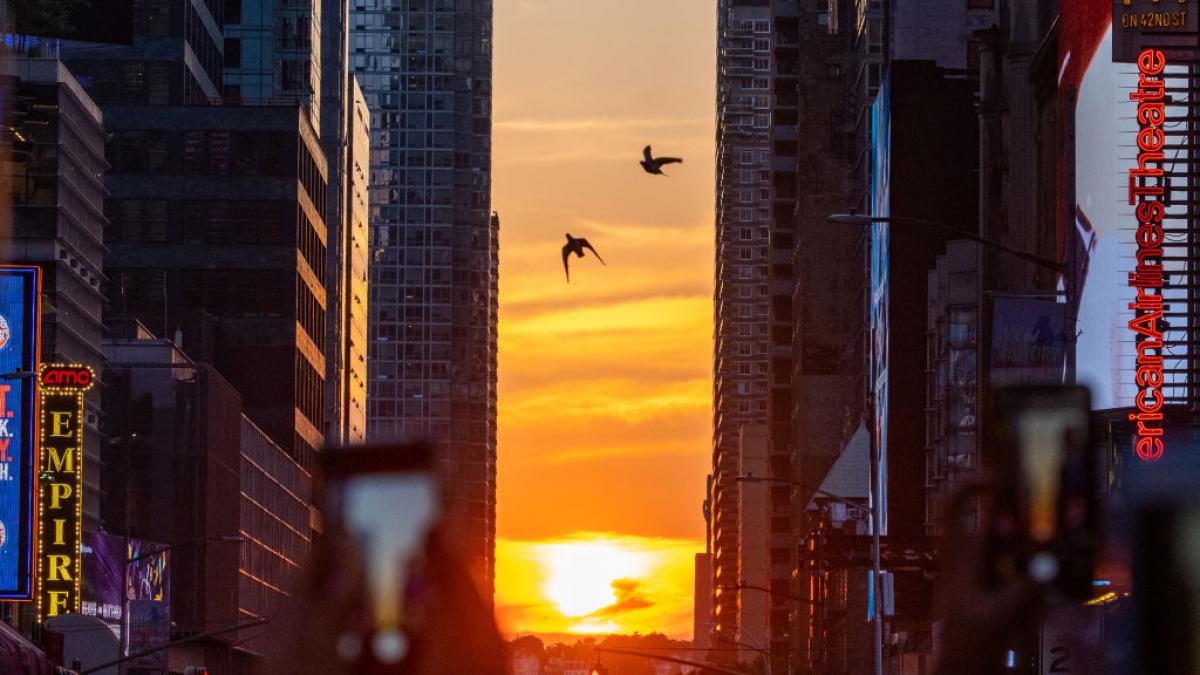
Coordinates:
595 583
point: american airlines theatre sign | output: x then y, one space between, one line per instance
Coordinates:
1146 195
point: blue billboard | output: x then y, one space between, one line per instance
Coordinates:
20 293
881 157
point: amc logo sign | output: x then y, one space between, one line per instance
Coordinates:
67 376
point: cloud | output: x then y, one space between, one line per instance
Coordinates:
570 124
628 599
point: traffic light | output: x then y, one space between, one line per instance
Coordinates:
195 670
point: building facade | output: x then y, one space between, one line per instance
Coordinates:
239 282
55 171
273 517
425 69
758 105
743 218
272 53
172 476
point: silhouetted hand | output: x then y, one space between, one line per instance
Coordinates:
455 631
976 620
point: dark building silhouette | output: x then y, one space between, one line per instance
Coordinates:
175 57
171 476
55 168
238 279
184 466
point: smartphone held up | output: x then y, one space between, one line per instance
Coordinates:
1044 525
379 505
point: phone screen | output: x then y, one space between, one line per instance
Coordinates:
380 505
1046 515
388 517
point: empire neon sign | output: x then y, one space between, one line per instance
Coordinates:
1146 194
60 476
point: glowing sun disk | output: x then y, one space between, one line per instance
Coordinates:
580 574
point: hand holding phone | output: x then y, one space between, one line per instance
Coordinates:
1044 526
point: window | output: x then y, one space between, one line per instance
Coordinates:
762 64
745 215
761 83
233 12
746 196
762 45
745 157
761 121
233 52
761 26
745 233
973 47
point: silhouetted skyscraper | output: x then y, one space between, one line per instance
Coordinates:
425 67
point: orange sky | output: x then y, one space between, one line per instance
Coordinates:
605 383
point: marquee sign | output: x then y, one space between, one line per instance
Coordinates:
1146 194
61 487
1163 24
20 302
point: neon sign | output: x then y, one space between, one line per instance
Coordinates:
20 302
61 486
1146 194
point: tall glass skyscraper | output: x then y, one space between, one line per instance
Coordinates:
425 67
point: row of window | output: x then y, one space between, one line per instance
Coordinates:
200 221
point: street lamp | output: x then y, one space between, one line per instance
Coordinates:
230 538
855 219
803 486
764 589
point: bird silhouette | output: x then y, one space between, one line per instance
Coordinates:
653 165
576 246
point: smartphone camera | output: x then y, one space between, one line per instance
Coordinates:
379 505
1044 526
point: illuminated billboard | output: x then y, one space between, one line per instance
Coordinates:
881 157
61 388
1112 171
20 293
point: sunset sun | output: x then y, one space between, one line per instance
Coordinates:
595 582
581 575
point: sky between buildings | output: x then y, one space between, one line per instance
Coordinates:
605 383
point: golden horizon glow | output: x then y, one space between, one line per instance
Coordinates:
605 383
595 583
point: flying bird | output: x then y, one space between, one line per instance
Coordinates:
576 246
653 165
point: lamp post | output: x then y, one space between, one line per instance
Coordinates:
855 219
876 495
